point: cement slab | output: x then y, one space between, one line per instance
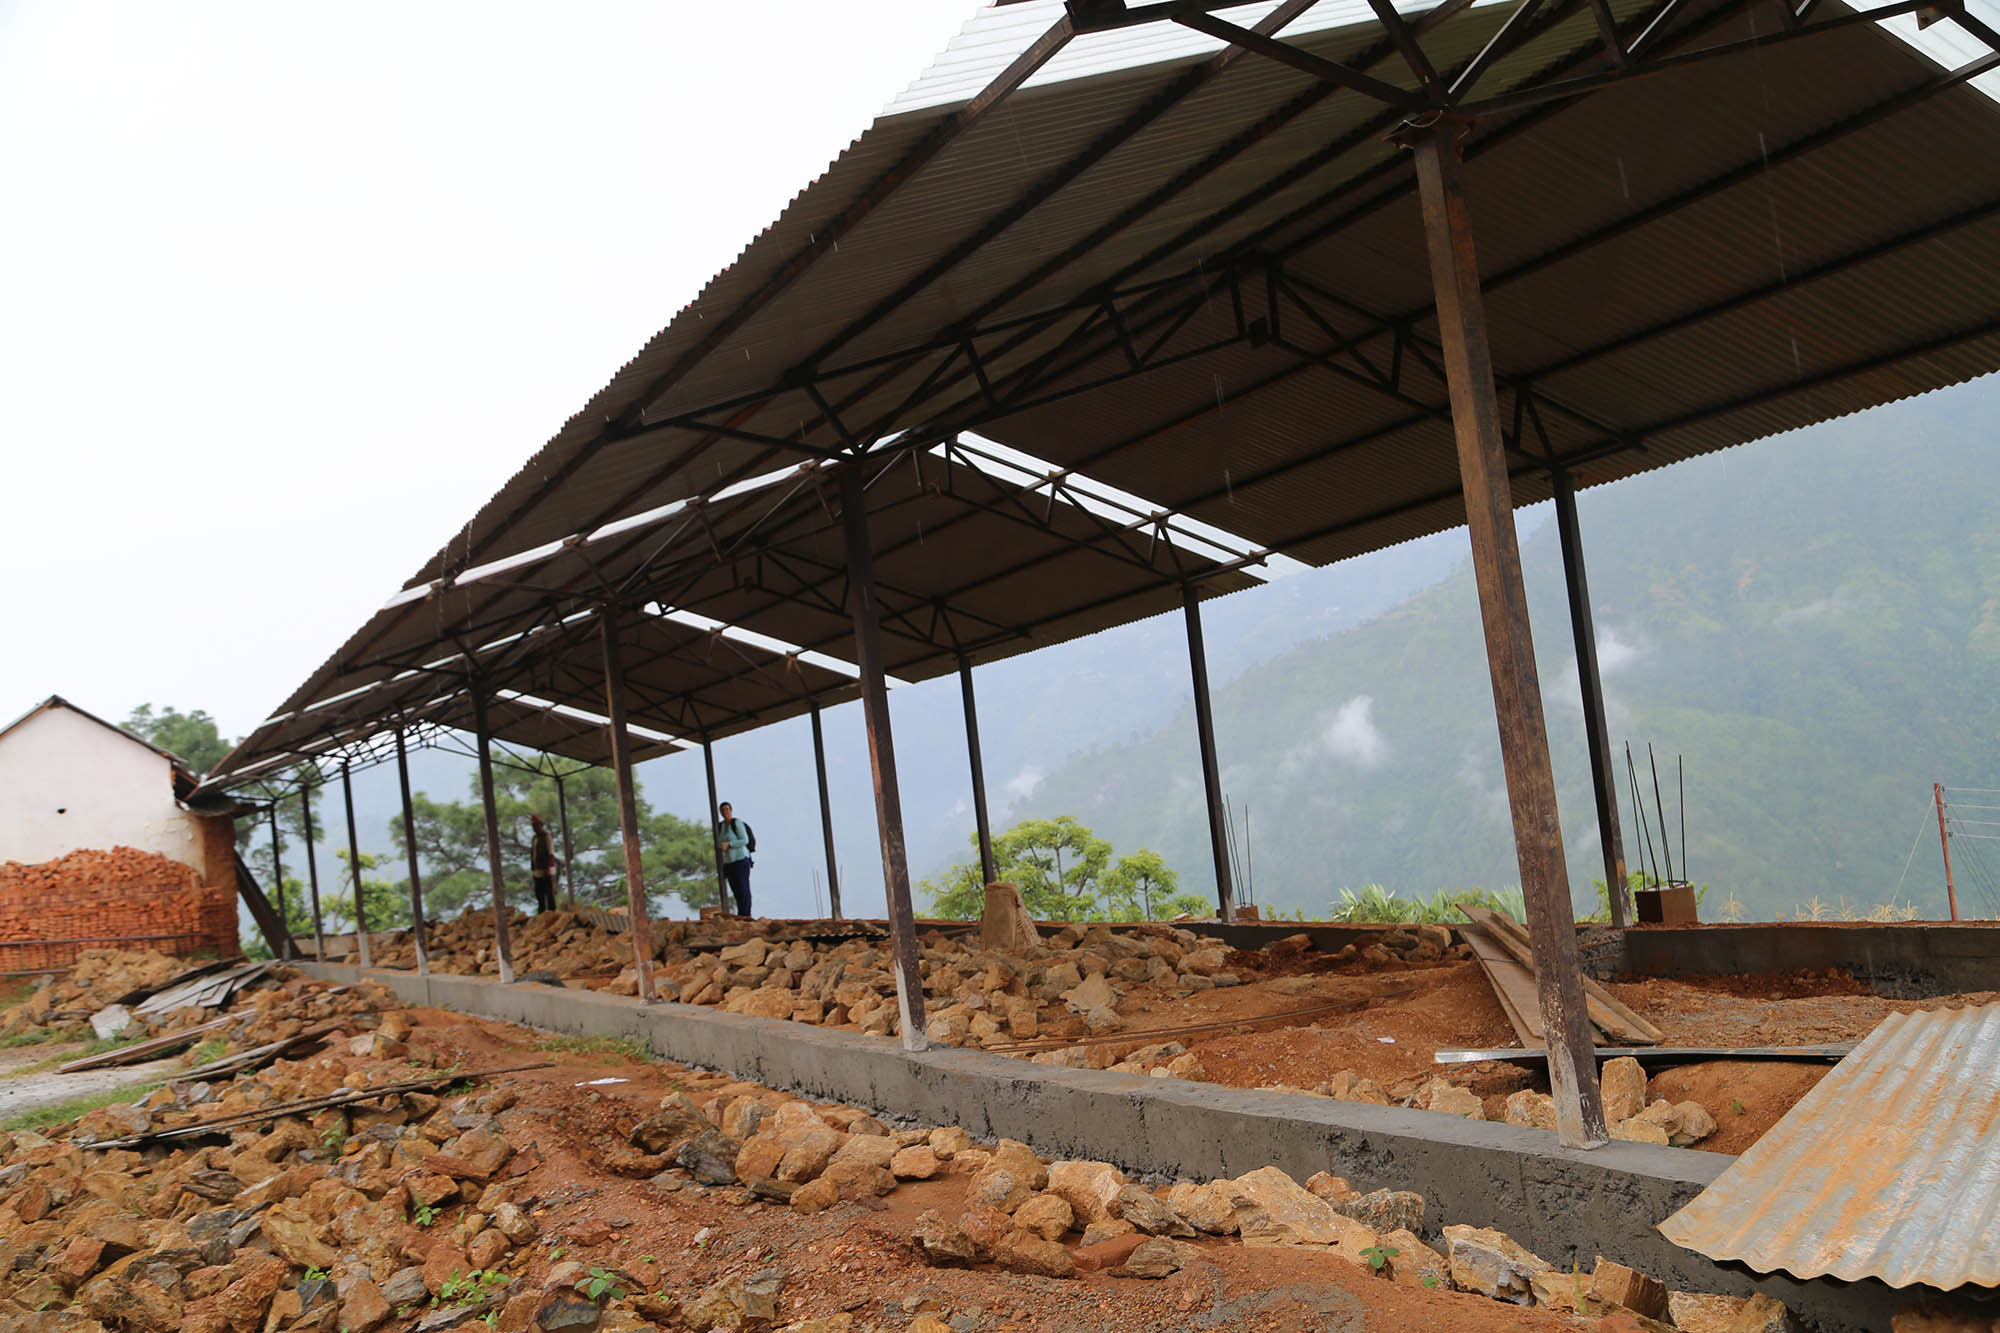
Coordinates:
1567 1206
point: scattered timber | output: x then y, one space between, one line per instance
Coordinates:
165 1044
1831 1053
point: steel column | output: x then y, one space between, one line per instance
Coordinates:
882 757
285 949
354 868
1211 773
410 850
569 848
1510 651
984 824
826 816
714 816
628 808
312 871
1603 779
503 945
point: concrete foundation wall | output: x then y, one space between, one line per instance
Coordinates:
1911 961
1566 1206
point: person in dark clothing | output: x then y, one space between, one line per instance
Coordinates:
735 840
542 866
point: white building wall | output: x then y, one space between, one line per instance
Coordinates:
67 782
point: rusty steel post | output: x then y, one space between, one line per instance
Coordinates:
502 943
628 808
354 868
312 872
826 817
569 848
1944 844
1510 652
1211 775
882 757
1583 630
979 818
285 948
714 814
410 850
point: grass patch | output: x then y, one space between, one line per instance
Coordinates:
631 1048
64 1112
34 1037
212 1049
1377 904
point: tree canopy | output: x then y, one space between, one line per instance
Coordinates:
1065 873
192 735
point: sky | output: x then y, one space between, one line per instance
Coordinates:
287 298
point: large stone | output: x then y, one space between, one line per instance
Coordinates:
917 1162
1210 1207
444 1262
130 1303
1019 1158
948 1141
1695 1124
815 1196
997 1187
1701 1312
807 1152
1274 1209
1045 1215
473 1155
1147 1213
514 1223
1536 1110
940 1241
1021 1252
296 1236
1157 1258
868 1149
1411 1263
1089 1188
677 1121
710 1157
1491 1263
362 1306
1764 1314
1092 993
1624 1085
565 1311
858 1179
1450 1099
1615 1284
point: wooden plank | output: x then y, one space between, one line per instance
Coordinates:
142 1050
1513 985
1830 1053
1611 1016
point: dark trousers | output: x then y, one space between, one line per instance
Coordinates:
545 893
737 875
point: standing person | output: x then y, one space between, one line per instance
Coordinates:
542 866
736 840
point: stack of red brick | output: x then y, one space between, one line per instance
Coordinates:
121 894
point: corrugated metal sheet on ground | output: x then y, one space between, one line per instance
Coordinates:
1889 1169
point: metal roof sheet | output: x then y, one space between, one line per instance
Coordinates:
1889 1168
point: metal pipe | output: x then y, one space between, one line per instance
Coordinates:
826 816
312 871
354 867
1597 737
569 848
882 757
503 945
715 814
1211 775
979 816
628 809
417 927
1510 652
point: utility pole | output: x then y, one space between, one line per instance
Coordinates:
1944 843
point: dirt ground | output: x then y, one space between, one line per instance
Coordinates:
858 1258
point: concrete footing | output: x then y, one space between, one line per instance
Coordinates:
1568 1207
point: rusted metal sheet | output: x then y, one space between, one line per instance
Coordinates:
1889 1169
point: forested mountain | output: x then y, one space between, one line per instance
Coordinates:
1813 621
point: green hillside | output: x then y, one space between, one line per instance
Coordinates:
1814 621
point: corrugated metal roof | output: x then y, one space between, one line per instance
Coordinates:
1677 264
1889 1168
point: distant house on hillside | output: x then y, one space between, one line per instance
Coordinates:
101 841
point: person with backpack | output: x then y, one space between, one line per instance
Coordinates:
736 841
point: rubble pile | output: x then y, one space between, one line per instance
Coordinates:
99 978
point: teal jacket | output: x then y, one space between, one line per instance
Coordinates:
735 839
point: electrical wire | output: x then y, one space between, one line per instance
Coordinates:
1922 824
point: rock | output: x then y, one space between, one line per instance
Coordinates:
1186 1066
362 1306
1696 1124
1157 1258
444 1262
405 1287
677 1121
1414 1264
1385 1210
130 1303
1144 1210
1273 1209
985 1227
1210 1208
1019 1158
1092 993
514 1223
566 1311
80 1258
296 1237
1090 1188
1698 1312
1624 1084
1331 1188
949 1141
1490 1263
1045 1215
1616 1284
1562 1291
742 1117
1536 1110
1110 1253
1635 1130
243 1302
917 1162
1930 1317
867 1149
1346 1087
1097 1233
1764 1314
710 1157
807 1152
858 1180
815 1196
473 1155
940 1241
488 1248
1450 1099
1023 1253
997 1187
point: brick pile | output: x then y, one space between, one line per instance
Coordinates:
120 894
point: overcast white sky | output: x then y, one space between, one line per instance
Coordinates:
288 291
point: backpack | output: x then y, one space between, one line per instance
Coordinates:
749 836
